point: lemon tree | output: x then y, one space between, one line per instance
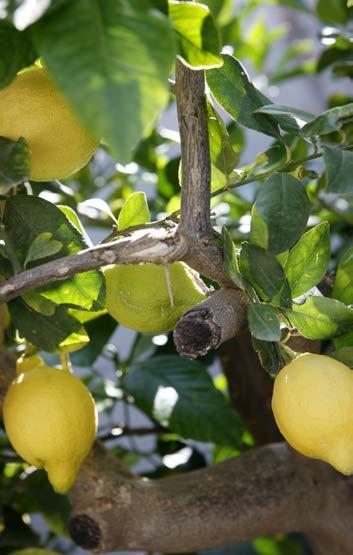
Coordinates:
127 243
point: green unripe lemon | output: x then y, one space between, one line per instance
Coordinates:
313 406
33 108
51 420
146 299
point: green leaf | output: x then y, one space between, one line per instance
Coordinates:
76 222
42 246
231 259
345 340
265 274
280 110
234 92
198 38
343 287
321 318
329 121
344 355
110 65
333 11
135 211
283 206
15 159
272 355
339 169
223 157
46 332
39 303
99 332
308 260
180 394
16 52
26 218
264 322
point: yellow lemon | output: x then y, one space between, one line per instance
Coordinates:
313 406
51 420
33 108
149 298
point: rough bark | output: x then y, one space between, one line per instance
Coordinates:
195 219
266 490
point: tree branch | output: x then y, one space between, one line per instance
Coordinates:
158 245
210 323
266 490
195 220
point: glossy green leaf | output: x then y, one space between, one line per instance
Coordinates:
321 318
280 213
329 121
280 110
308 260
114 73
198 38
263 321
46 332
231 259
234 92
135 211
345 340
339 170
180 394
272 355
16 52
15 159
265 274
42 246
223 157
99 332
38 303
344 355
343 287
26 218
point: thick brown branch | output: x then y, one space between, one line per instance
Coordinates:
264 491
210 323
157 245
195 221
196 166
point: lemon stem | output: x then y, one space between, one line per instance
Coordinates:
66 362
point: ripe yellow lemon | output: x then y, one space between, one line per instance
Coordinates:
149 298
33 108
51 420
313 407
